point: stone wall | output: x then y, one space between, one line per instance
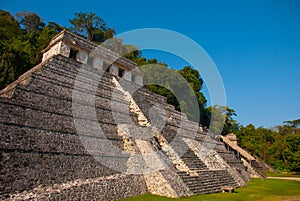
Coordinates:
103 188
39 142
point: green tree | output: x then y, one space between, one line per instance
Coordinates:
30 21
9 26
91 26
21 49
293 125
54 28
181 88
9 56
280 148
42 39
174 80
293 152
222 117
195 81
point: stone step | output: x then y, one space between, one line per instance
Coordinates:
171 131
33 139
24 171
62 66
54 122
82 79
146 102
142 92
45 102
43 82
208 181
17 114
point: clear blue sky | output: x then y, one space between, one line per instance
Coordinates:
254 44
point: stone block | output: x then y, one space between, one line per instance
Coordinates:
64 49
54 50
127 75
139 80
98 63
82 57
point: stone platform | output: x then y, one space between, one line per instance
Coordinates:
107 148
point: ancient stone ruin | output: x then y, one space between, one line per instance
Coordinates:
80 126
255 167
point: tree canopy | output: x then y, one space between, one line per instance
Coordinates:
221 117
30 21
91 26
280 148
21 43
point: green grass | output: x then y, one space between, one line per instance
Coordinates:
257 189
284 174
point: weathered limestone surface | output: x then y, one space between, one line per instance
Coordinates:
177 127
153 164
210 157
107 147
255 167
39 142
188 161
111 187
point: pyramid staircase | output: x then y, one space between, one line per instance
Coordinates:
255 166
49 151
39 142
200 179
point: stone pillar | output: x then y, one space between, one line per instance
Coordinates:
90 60
82 57
114 70
64 49
127 75
98 63
139 80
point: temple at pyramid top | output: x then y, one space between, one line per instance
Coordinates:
85 52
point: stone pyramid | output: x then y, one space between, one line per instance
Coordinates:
80 126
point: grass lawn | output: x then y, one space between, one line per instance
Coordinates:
284 174
257 189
